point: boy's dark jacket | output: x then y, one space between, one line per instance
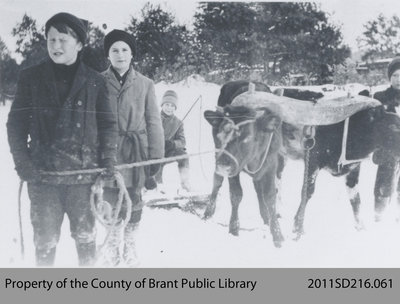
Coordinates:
390 98
173 130
73 135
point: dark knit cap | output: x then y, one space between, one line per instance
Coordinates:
79 26
393 66
118 35
171 97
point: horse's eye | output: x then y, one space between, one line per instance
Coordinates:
228 127
247 139
238 132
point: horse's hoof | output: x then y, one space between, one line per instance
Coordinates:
234 230
234 233
298 233
360 226
208 213
278 241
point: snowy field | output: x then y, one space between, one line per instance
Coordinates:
173 238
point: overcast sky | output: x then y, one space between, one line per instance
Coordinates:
350 14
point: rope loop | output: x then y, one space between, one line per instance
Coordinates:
308 143
309 131
308 139
104 212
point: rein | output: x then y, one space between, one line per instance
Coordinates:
246 168
234 128
228 139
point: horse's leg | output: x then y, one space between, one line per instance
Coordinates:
281 166
354 195
258 186
299 218
236 193
210 209
268 189
398 199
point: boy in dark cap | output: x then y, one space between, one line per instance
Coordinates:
140 137
62 119
174 136
386 175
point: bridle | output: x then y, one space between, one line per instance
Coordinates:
228 138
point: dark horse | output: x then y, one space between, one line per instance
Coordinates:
249 141
368 130
232 126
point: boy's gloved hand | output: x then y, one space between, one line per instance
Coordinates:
169 145
28 173
154 169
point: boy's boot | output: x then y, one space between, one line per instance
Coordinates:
86 253
130 255
110 253
45 256
185 178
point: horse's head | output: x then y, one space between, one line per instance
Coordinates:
241 134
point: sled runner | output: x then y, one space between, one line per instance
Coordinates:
177 201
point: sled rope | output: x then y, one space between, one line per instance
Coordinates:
126 166
199 146
103 211
186 114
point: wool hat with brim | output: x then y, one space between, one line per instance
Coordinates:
79 26
118 35
393 66
171 97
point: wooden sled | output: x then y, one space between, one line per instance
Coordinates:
178 201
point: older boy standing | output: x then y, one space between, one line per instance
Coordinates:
61 119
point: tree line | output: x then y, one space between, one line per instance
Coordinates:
264 41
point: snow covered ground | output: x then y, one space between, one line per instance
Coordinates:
173 238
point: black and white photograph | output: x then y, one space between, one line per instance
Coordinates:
190 134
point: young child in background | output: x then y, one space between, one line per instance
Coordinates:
175 142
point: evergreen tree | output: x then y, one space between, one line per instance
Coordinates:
160 40
31 42
93 53
278 37
8 71
224 31
381 38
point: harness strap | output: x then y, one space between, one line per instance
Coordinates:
342 159
228 138
246 168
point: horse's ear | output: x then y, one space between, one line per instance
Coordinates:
213 117
268 122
